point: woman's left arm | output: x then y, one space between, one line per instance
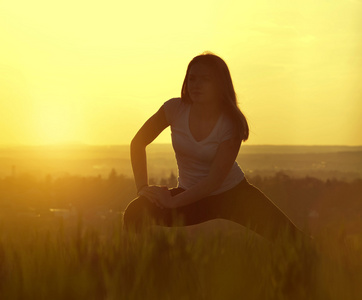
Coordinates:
225 157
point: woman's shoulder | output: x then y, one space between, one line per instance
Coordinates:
173 102
226 121
172 108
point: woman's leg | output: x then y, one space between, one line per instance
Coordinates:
248 206
142 212
244 204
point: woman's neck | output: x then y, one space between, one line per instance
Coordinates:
206 109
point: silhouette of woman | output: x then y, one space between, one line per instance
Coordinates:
207 130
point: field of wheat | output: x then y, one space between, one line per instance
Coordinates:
77 259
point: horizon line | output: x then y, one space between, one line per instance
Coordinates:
74 144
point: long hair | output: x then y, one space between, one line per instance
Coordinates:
226 89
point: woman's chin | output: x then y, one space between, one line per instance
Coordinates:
199 99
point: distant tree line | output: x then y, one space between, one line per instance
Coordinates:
92 192
307 200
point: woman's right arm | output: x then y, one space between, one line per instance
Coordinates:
148 132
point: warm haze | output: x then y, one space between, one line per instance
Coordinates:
93 72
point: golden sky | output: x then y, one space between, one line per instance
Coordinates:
94 71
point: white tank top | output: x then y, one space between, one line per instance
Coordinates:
194 159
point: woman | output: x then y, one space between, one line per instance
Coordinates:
207 130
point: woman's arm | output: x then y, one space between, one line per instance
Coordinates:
148 132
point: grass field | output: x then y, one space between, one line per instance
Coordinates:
78 259
86 254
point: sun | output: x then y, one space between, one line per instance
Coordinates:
55 125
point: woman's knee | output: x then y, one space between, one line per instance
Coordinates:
132 215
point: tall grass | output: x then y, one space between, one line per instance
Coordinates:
79 259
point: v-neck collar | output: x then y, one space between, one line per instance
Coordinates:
189 130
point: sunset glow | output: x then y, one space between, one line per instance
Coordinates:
93 72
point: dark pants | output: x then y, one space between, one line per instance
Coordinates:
244 204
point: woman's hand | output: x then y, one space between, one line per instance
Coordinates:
158 195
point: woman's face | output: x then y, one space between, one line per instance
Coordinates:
201 84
